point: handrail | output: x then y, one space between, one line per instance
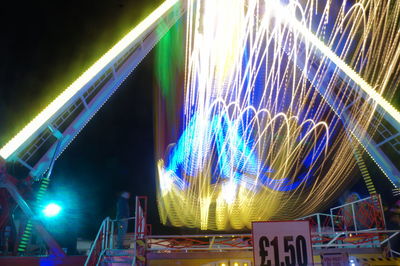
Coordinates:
106 235
316 214
355 202
249 235
95 242
98 250
199 236
344 239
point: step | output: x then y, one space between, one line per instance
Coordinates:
119 252
122 263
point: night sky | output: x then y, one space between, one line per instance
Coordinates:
45 46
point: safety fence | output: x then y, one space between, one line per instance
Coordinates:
358 224
360 215
225 242
117 238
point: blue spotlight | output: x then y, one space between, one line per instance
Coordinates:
51 210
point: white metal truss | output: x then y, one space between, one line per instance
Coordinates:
36 152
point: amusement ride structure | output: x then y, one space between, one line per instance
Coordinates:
279 101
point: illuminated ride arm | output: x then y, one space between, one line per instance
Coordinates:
387 130
35 145
385 119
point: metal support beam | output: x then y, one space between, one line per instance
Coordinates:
334 239
390 237
24 164
388 139
53 159
211 242
374 150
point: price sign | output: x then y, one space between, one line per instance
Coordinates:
285 243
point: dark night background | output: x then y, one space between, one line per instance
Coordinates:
45 46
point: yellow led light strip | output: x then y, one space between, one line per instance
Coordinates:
325 50
89 74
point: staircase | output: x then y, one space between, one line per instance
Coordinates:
103 250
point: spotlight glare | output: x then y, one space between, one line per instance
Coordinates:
51 210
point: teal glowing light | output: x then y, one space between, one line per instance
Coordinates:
51 210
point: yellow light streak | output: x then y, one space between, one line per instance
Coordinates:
86 77
326 51
263 89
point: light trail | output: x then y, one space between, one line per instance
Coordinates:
86 77
326 51
256 140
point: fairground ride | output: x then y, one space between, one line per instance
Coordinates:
279 100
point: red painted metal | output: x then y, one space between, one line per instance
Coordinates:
141 230
368 215
11 194
96 251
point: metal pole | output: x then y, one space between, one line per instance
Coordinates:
134 249
93 247
354 217
319 223
53 159
212 242
387 239
333 223
112 235
136 230
381 210
103 233
107 231
136 217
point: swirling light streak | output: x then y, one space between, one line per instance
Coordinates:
258 140
326 51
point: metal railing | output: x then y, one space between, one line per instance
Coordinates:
328 231
185 243
105 240
360 215
228 242
341 228
97 245
320 222
103 247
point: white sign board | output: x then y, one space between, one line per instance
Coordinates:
285 243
